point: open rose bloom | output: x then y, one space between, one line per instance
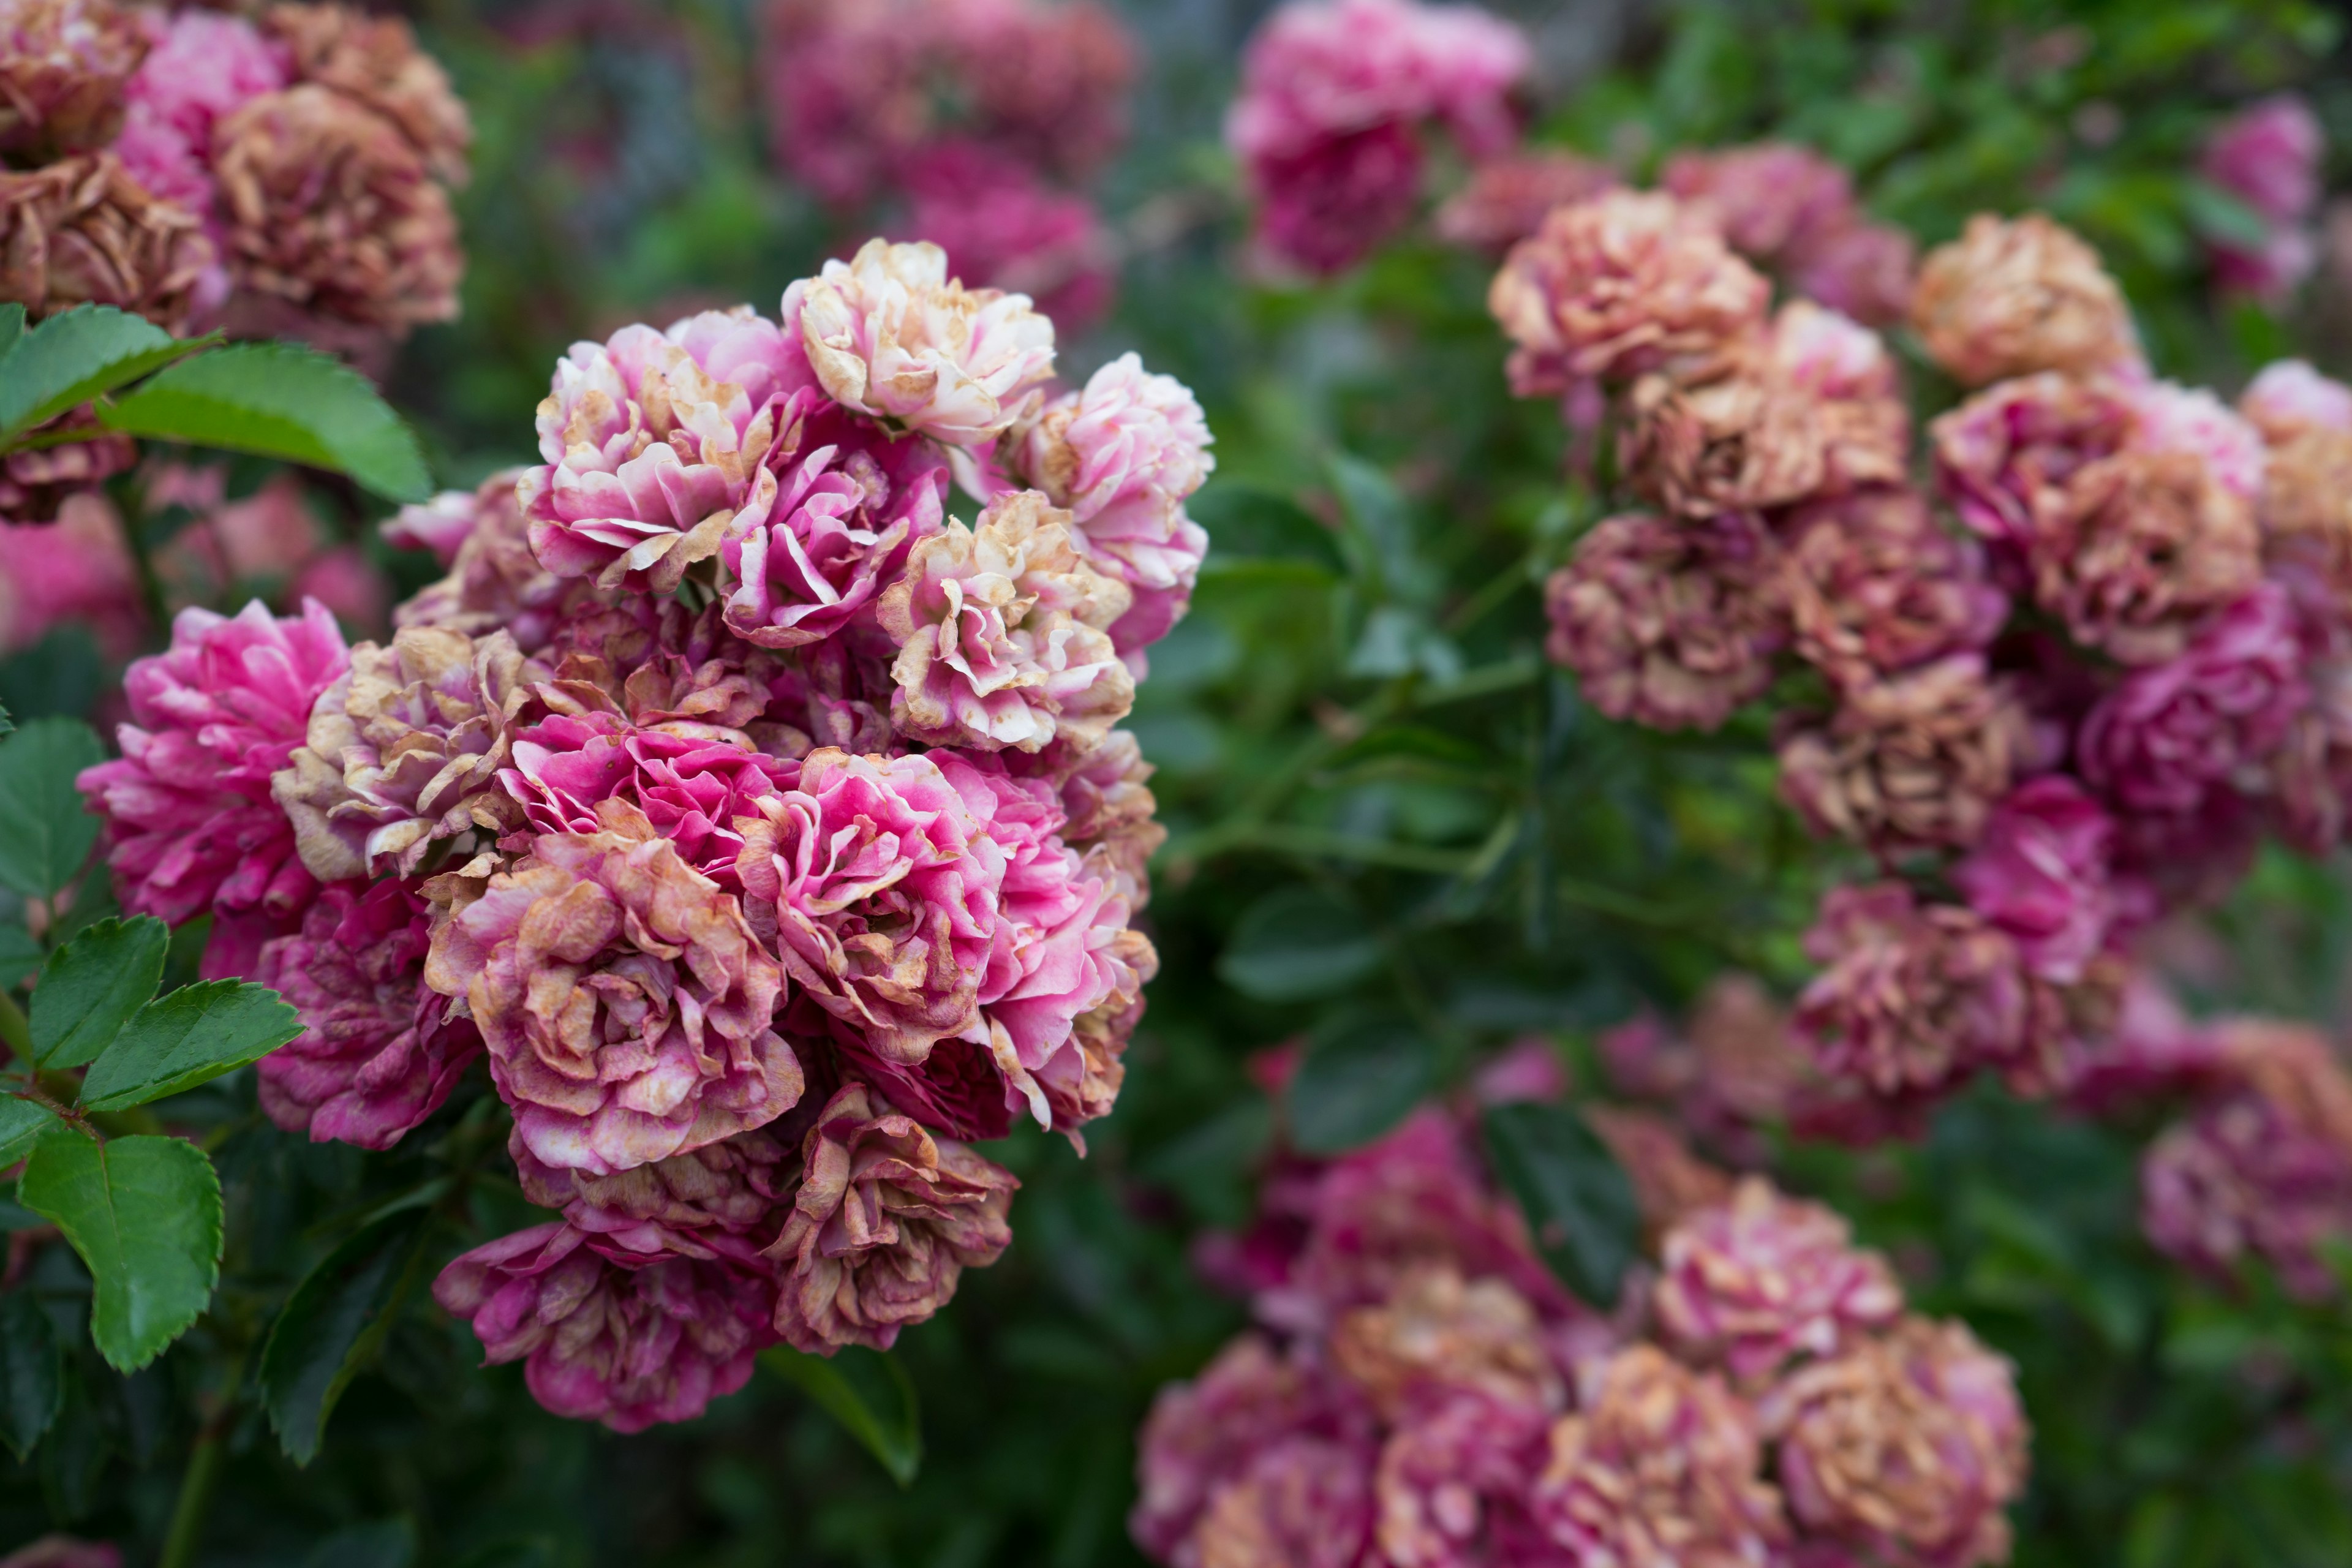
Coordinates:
1418 1389
745 809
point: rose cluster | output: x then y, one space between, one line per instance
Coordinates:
761 826
282 175
2072 669
975 125
2268 157
1335 98
1419 1392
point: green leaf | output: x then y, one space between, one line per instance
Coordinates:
1299 942
20 957
72 358
1362 1075
190 1036
281 400
869 1394
12 332
381 1543
44 835
92 985
32 1378
145 1214
21 1121
1245 521
334 1323
1578 1200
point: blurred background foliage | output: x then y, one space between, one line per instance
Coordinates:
1395 830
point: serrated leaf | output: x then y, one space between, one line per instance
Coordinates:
334 1322
73 357
868 1392
90 987
1577 1198
44 835
20 957
1363 1073
32 1379
190 1036
144 1213
1299 942
281 400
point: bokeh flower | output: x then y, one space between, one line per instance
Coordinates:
2014 295
1910 761
2042 873
82 231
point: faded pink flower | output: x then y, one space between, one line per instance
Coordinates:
1333 94
1907 761
1669 624
654 447
203 66
2008 457
2041 874
1203 1436
690 787
1002 634
402 753
1864 270
881 887
2170 418
378 1053
1619 285
2287 397
63 64
82 231
64 1552
1660 1467
374 60
188 803
608 1334
1913 997
625 1004
2012 297
1003 228
889 335
1110 814
851 503
1450 1490
1438 1336
2172 732
2241 1177
1670 1182
1874 586
714 1196
659 665
887 1219
2150 1046
1301 1503
77 569
2268 156
1764 1279
1767 198
1509 197
443 524
35 480
1122 455
1909 1448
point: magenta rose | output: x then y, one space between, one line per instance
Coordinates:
2040 873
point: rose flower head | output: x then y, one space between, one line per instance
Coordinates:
1764 1279
1667 623
653 448
494 583
625 1004
608 1335
890 335
1767 198
887 1219
1874 587
1438 1335
1004 634
378 1052
1910 761
1509 197
84 231
1619 285
2016 296
62 66
1659 1467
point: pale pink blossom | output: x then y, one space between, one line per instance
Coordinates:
2170 418
1001 227
2287 397
201 66
888 333
77 569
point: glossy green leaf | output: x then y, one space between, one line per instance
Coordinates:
73 357
190 1036
1578 1200
90 987
21 1121
868 1392
1296 943
1246 522
32 1379
281 400
45 834
20 957
12 332
335 1321
144 1213
1363 1073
